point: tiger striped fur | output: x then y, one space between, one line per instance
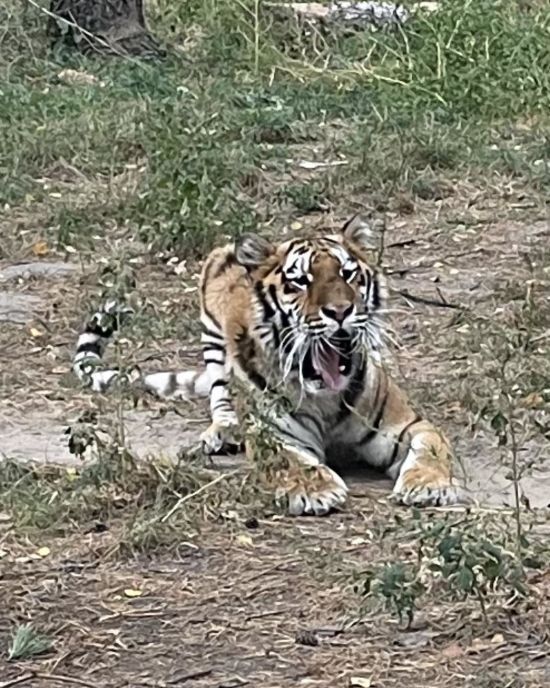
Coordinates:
304 321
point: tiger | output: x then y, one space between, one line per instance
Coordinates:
301 326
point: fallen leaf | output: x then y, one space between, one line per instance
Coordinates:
315 165
43 552
296 226
36 333
428 6
40 248
315 10
244 539
479 645
360 682
532 401
497 638
231 515
414 639
132 592
452 651
71 473
74 76
3 553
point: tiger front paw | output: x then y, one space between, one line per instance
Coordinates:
311 490
221 438
412 489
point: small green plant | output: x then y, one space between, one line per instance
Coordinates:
27 642
398 585
306 198
468 558
471 563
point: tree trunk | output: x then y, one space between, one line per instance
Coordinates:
114 27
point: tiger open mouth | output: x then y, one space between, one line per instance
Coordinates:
329 361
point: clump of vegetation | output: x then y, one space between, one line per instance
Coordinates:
27 642
152 500
207 141
453 559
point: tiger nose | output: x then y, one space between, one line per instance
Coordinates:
338 313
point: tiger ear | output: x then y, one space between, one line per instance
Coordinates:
251 250
359 232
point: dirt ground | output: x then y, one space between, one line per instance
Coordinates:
256 611
271 605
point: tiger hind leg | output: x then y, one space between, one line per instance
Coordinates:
425 477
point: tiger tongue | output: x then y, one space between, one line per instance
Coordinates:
327 364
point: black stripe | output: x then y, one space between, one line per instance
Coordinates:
218 383
268 310
290 268
91 348
96 329
292 244
307 416
400 437
375 292
212 346
276 338
210 333
273 293
229 261
258 380
352 393
296 442
212 360
369 282
204 283
222 403
375 426
209 314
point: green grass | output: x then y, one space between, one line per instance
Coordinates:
462 93
27 643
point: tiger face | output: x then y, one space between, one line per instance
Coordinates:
323 303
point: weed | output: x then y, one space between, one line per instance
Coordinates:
453 559
27 642
399 585
112 484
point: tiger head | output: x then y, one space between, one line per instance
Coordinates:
322 303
